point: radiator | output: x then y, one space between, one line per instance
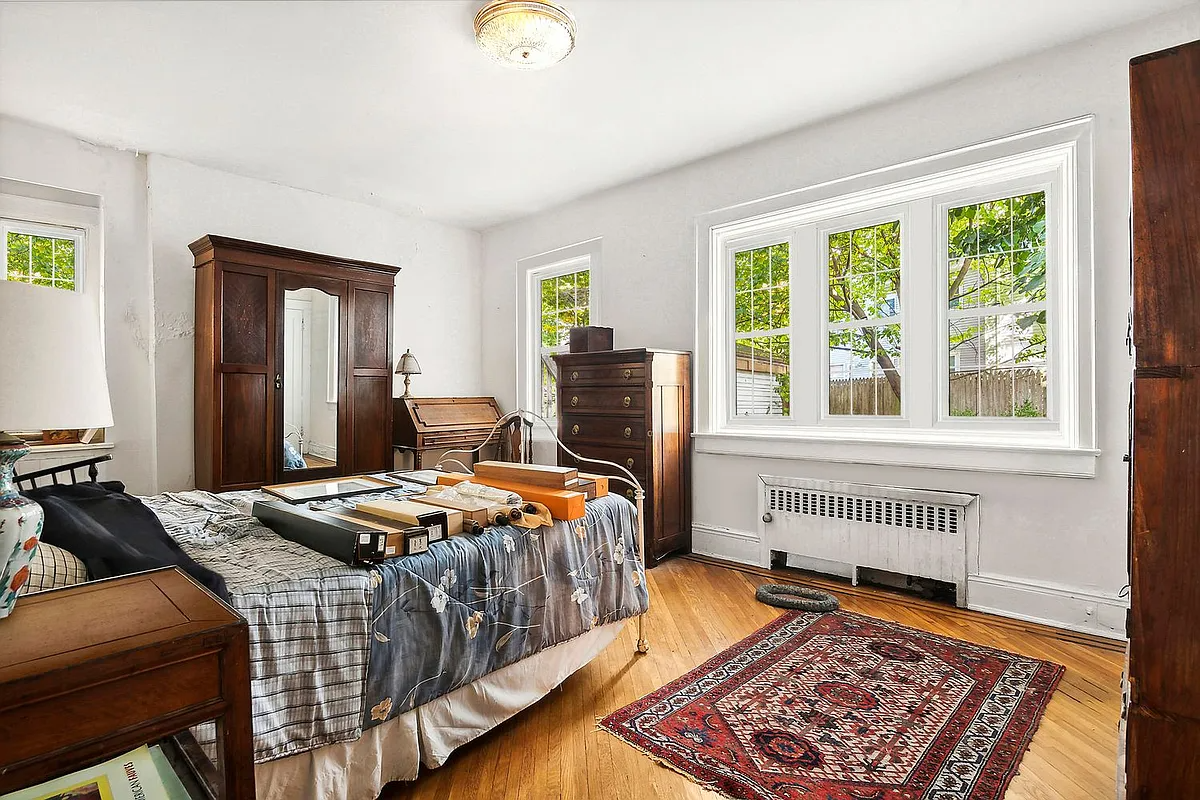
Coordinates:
918 532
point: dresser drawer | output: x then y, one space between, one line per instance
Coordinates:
630 374
632 459
602 400
603 430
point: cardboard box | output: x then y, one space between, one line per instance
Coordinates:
563 504
349 540
410 513
472 510
529 474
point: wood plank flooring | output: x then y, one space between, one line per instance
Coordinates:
698 608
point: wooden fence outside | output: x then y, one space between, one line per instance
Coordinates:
983 394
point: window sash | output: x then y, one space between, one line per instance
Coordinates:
534 389
77 236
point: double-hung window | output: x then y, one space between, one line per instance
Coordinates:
560 294
941 307
43 254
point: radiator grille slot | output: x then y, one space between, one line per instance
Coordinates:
872 510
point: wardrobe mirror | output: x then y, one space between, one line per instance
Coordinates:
310 379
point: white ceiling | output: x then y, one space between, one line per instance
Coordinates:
392 104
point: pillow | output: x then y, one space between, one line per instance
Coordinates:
51 568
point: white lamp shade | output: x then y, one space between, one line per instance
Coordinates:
51 360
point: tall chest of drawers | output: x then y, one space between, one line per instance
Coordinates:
634 407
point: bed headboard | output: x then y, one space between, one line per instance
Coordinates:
53 473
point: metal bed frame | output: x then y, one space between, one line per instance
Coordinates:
53 473
526 420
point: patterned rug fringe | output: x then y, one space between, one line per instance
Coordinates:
710 785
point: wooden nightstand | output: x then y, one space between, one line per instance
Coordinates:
92 671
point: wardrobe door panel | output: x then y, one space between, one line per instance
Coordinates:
244 412
372 424
1164 652
1165 118
371 376
372 324
245 302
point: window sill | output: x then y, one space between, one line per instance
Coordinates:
63 449
981 456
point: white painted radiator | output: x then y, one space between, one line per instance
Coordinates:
918 532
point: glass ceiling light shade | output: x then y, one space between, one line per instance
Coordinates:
525 34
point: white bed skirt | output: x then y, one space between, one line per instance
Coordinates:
428 734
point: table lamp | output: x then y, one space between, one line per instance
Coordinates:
51 377
408 367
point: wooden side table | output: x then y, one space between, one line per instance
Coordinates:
92 671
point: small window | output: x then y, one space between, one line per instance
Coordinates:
43 255
564 301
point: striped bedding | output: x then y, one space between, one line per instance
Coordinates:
315 623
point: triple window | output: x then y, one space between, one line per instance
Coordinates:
947 301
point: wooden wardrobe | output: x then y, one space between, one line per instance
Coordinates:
239 369
1163 713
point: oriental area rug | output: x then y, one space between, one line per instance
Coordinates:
839 706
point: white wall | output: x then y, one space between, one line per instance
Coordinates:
1051 548
438 293
40 155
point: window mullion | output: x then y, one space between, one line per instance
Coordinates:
920 283
807 307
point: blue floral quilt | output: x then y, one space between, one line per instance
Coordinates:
474 604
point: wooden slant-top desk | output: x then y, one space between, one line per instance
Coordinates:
423 424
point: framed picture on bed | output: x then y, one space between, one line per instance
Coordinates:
327 489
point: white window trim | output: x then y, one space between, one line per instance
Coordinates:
530 272
36 215
1059 155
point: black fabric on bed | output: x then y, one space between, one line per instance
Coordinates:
113 533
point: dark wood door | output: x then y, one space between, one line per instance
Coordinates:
1164 649
246 388
371 376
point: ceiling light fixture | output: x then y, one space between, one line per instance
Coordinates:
525 34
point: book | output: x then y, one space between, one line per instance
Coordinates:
131 776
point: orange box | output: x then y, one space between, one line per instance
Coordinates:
563 504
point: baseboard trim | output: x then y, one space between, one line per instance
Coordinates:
1040 602
1044 603
727 544
1049 630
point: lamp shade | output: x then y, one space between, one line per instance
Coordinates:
408 364
51 360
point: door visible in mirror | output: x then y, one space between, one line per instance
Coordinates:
310 379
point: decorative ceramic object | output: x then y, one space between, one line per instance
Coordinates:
20 528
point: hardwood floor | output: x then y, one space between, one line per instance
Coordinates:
699 608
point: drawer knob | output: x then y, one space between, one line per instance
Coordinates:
575 400
629 493
574 430
628 374
628 432
629 463
626 401
574 376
